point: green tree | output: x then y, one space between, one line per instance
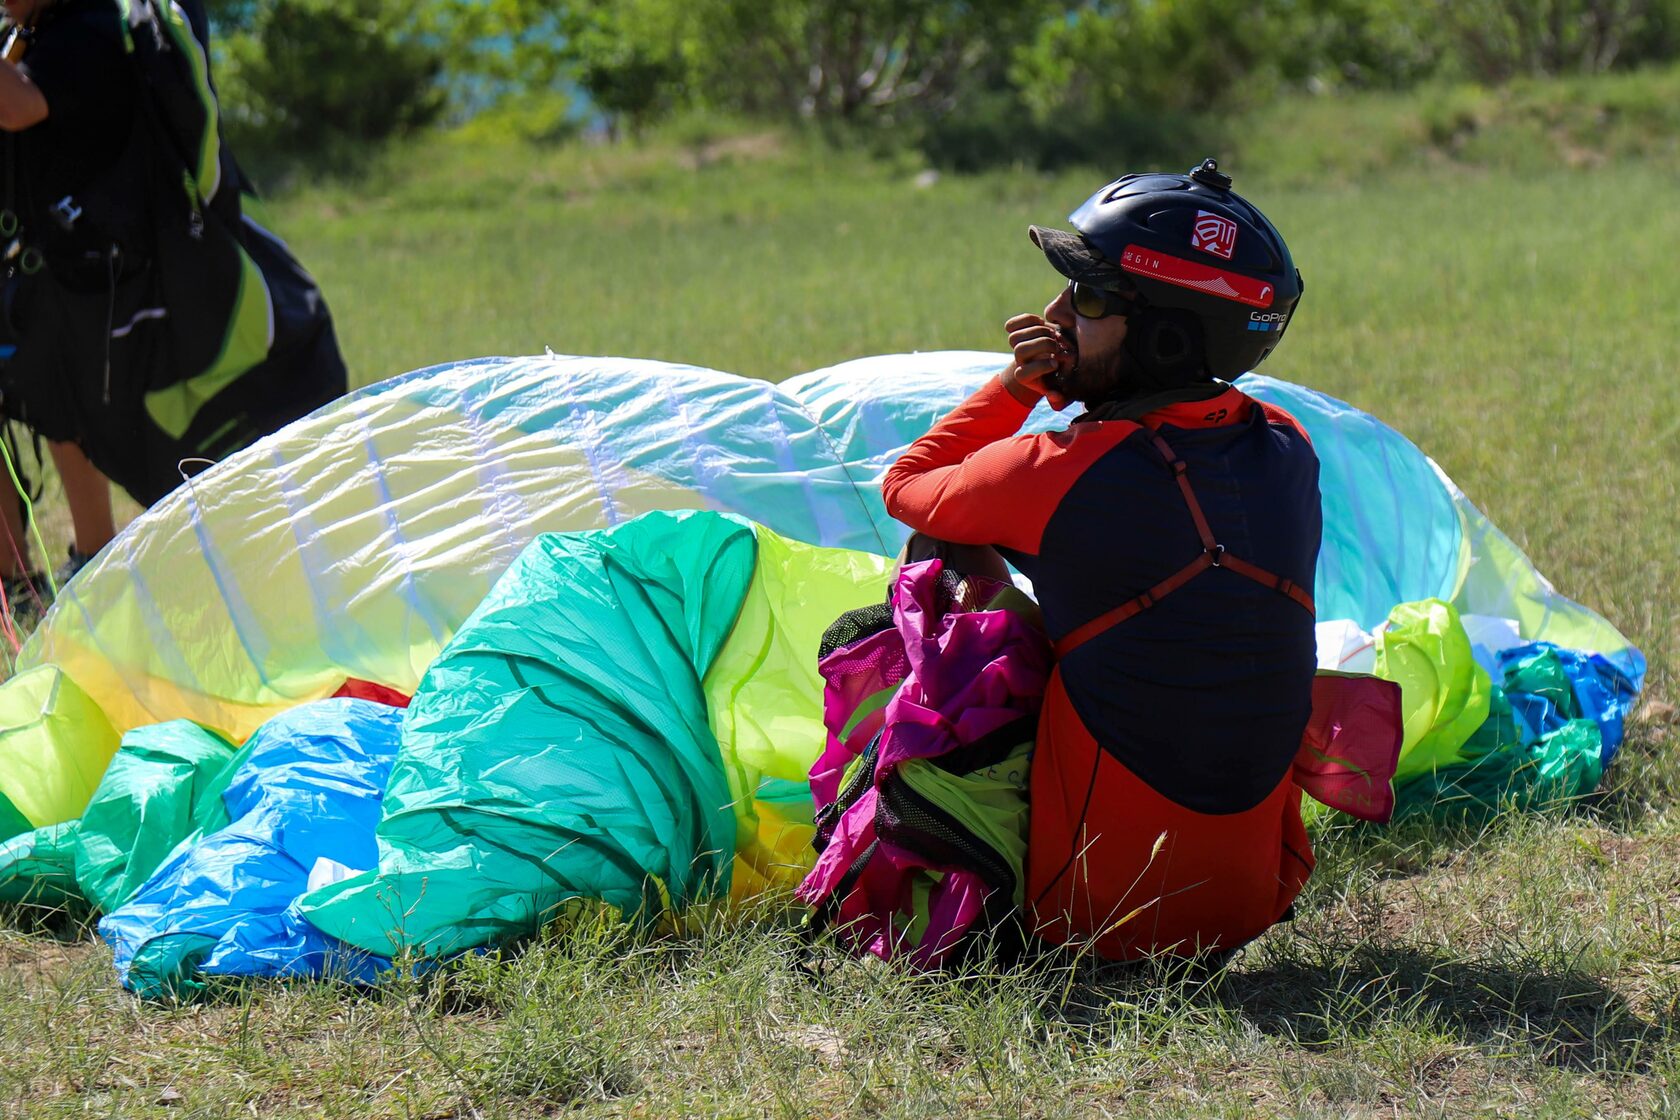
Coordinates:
829 61
628 57
624 54
852 61
1495 40
516 46
330 77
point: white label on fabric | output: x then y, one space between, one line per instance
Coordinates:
328 871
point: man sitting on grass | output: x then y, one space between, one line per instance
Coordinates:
1171 533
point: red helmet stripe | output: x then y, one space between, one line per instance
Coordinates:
1199 277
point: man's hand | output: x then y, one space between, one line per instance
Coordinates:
1040 354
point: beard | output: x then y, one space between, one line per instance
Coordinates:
1094 377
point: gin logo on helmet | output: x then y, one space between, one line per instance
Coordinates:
1214 234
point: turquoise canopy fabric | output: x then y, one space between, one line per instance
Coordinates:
559 748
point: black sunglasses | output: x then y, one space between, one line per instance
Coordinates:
1091 302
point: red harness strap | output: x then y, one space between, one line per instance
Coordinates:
1213 556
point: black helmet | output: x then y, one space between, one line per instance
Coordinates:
1214 283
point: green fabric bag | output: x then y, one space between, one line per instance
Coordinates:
38 868
1444 693
151 798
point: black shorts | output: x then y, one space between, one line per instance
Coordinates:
84 361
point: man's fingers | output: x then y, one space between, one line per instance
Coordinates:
1036 348
1040 350
1032 371
1036 336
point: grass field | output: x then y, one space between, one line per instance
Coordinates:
1521 328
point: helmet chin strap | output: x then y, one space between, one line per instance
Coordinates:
1161 362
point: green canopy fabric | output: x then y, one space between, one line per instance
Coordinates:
1466 752
156 792
624 721
38 868
1444 693
559 747
162 787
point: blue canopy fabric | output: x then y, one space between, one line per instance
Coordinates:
306 788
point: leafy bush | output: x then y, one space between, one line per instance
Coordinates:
328 79
964 84
533 118
1494 41
1000 129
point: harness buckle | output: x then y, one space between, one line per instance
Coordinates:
66 213
1217 552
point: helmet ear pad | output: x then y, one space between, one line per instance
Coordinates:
1164 347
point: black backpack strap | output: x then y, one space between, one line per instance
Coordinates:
858 783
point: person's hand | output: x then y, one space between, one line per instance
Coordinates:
1040 354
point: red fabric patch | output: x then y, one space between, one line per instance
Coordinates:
1352 745
1112 861
1198 277
355 689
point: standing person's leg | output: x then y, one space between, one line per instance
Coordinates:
89 494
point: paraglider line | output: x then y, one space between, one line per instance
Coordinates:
6 622
857 491
181 469
34 528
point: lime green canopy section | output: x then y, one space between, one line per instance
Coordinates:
563 748
55 743
763 698
1444 693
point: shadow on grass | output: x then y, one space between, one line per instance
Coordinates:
1642 786
1330 994
1562 1016
50 920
